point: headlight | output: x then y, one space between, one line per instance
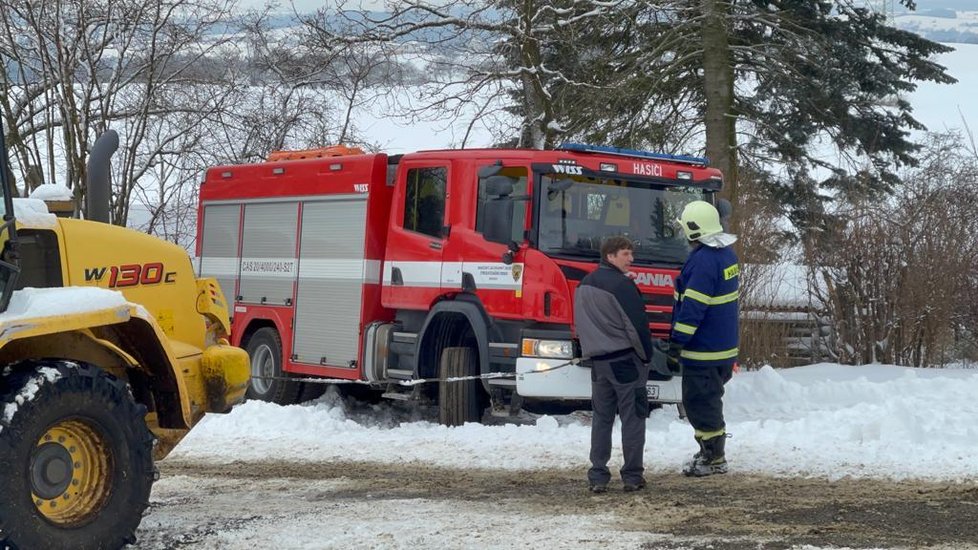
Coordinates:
554 349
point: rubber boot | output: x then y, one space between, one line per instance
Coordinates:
690 464
711 460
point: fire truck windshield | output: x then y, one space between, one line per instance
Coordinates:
577 212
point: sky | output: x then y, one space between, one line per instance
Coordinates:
942 107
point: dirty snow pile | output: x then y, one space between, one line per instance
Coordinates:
822 420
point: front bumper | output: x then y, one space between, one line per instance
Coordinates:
227 371
574 382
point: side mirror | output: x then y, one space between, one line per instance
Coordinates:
510 253
499 186
499 220
725 209
491 170
559 185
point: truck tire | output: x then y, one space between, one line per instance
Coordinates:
308 392
265 351
458 402
77 458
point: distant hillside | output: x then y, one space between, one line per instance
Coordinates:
942 24
956 5
949 21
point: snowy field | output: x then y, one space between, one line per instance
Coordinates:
826 420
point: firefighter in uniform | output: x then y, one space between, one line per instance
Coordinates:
613 329
704 339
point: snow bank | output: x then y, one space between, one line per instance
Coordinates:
822 420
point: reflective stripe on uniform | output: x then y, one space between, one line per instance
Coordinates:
675 295
709 355
711 300
684 328
700 434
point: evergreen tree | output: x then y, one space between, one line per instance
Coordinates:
807 93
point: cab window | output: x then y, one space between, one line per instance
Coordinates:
424 200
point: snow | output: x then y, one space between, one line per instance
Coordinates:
52 192
825 420
45 375
31 303
309 519
34 213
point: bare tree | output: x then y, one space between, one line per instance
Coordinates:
78 67
895 274
483 58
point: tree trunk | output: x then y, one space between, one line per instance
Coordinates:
718 87
536 110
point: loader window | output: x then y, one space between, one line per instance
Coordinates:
424 203
40 261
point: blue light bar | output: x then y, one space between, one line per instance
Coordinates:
634 153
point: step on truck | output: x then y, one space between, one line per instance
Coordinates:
110 351
384 269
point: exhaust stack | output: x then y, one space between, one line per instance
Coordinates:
98 180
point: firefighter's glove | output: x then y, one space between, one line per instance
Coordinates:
672 358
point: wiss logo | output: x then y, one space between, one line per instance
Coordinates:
651 279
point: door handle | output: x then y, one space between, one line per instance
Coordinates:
434 245
396 278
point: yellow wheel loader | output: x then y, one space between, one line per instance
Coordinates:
110 351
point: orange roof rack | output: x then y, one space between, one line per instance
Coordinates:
322 152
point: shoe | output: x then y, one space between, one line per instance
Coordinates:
632 487
597 487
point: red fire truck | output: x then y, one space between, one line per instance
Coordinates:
389 268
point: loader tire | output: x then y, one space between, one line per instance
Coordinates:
458 402
77 458
265 352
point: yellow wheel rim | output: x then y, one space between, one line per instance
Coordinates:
70 471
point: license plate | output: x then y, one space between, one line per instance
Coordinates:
652 390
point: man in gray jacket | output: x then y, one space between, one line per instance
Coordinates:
614 333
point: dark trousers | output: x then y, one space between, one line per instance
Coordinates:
703 395
618 386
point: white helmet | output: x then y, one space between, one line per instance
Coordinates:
700 219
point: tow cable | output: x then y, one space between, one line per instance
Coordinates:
419 381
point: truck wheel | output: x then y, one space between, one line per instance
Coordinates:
265 350
458 402
77 458
308 392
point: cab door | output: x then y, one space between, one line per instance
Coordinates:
416 241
